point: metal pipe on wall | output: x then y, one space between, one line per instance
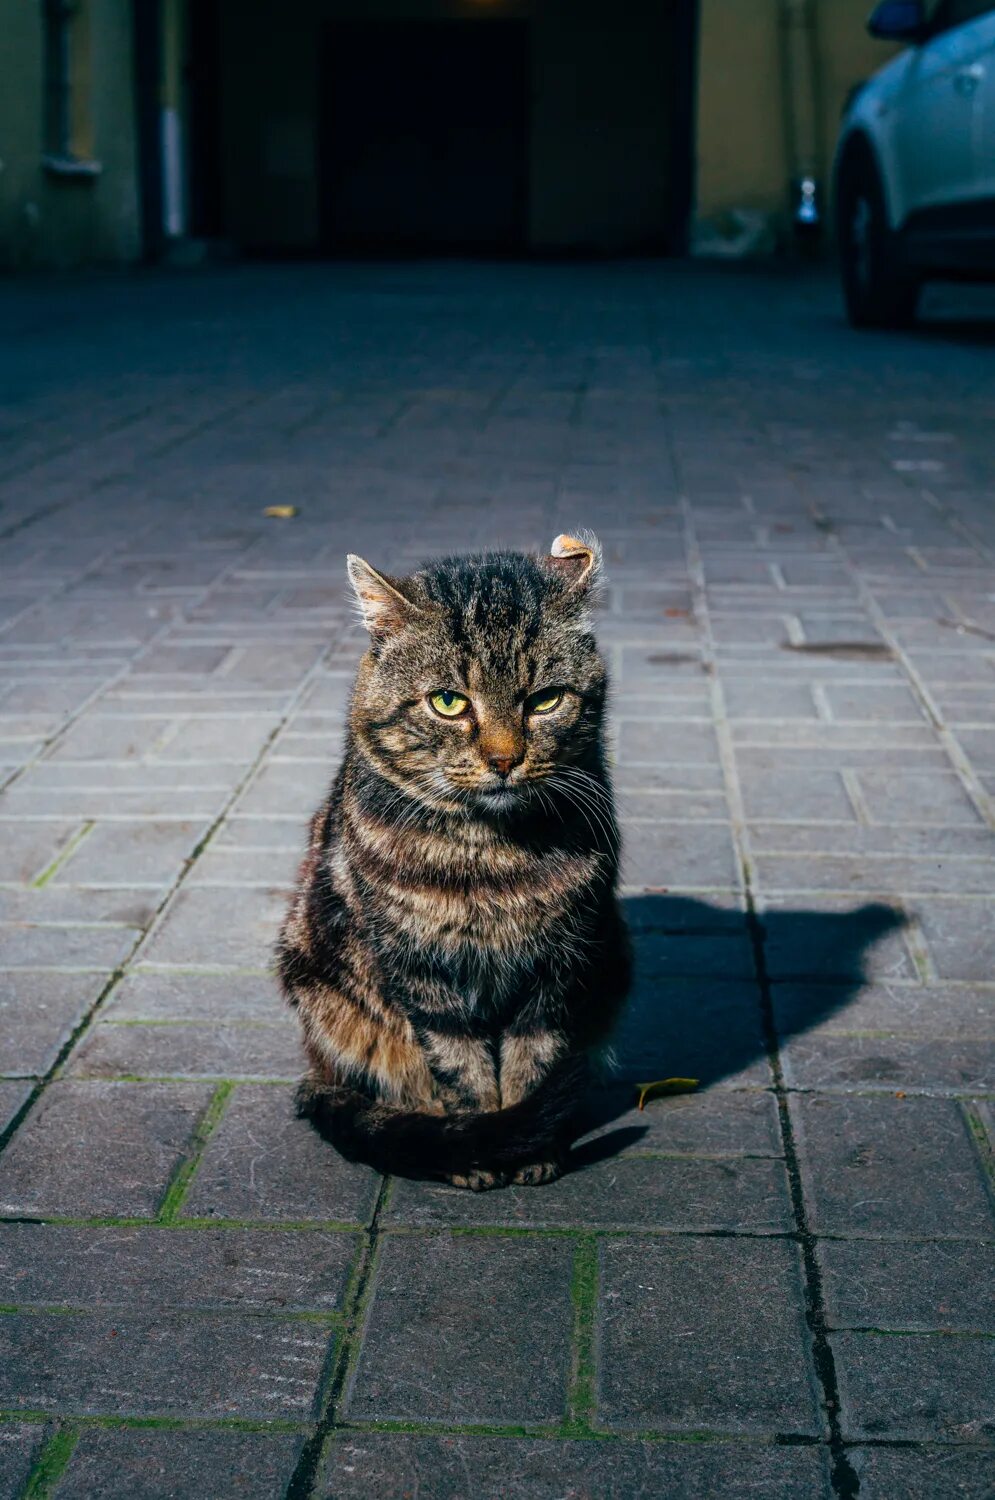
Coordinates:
802 115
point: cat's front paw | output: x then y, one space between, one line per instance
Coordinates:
479 1182
537 1173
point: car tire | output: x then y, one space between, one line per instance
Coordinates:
879 290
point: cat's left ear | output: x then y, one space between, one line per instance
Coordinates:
383 606
578 561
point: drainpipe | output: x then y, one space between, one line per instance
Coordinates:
802 115
174 216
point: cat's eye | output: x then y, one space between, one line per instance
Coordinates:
450 705
545 702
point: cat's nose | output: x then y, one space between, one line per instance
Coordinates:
502 764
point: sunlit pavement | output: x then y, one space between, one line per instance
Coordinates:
793 1265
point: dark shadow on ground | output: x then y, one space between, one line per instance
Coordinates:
697 1008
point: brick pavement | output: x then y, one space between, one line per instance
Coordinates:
778 1286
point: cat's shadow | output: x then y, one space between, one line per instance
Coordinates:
712 990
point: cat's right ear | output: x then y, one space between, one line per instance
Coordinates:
384 608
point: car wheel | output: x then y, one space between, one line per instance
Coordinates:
879 290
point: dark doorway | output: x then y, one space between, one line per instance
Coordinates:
203 84
424 136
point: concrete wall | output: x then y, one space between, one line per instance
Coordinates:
744 155
61 221
599 145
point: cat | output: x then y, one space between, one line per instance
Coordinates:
454 948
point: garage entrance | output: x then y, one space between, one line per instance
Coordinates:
424 137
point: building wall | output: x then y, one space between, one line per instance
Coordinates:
744 150
599 130
61 221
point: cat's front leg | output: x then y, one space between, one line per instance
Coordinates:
525 1059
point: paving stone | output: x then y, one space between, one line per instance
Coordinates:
710 1029
916 797
678 854
12 1096
708 1123
20 1445
51 945
888 1063
671 740
262 1163
777 793
887 1165
131 853
922 1473
829 938
170 996
28 849
165 1365
466 1328
911 1287
152 1464
632 1193
875 874
190 1050
238 867
397 1467
56 1265
926 1386
100 1148
287 788
227 927
703 1334
960 936
37 1015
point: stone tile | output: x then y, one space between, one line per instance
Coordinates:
925 1386
132 853
960 936
171 996
262 1163
706 1123
146 1464
164 1365
831 938
38 1013
100 1148
916 797
912 1287
703 1334
12 1096
891 1166
287 788
689 1028
672 740
685 855
794 795
28 848
632 1193
847 1063
398 1466
465 1328
922 1473
219 927
52 945
57 1265
875 874
190 1050
20 1445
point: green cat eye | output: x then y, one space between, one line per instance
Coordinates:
449 705
544 703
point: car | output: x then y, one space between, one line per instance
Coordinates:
914 171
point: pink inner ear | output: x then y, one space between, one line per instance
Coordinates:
572 568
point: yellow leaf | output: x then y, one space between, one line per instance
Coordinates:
654 1090
280 512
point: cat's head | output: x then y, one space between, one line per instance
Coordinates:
483 679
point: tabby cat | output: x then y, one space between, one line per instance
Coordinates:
454 947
